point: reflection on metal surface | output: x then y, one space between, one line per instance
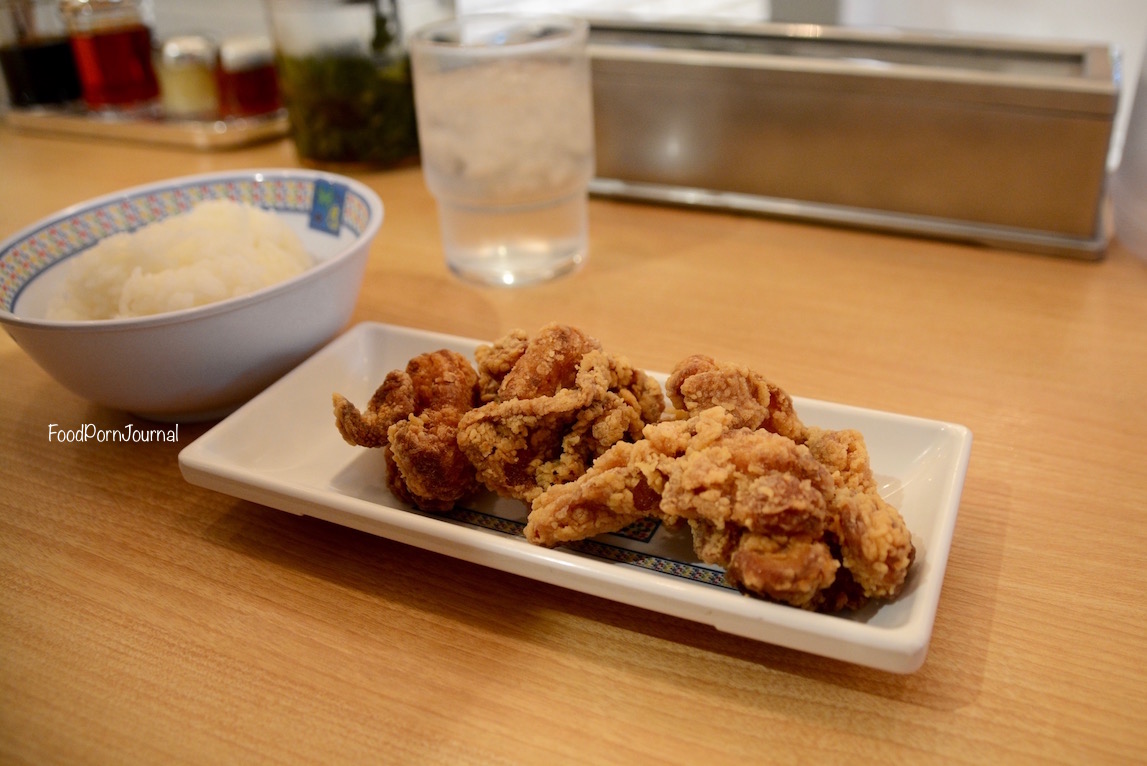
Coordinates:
984 140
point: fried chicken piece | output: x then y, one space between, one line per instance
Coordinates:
757 502
698 383
392 401
761 482
794 571
413 416
520 367
558 402
496 360
758 505
873 541
845 454
792 513
547 363
622 486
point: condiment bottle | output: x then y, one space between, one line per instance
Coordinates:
35 54
186 73
344 74
111 42
248 84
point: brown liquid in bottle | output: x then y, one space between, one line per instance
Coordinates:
115 66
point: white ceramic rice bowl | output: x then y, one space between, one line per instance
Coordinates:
198 363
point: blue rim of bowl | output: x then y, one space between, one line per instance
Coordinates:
20 269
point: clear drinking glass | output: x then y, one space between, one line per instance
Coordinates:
505 124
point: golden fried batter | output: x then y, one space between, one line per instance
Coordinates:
758 505
414 417
548 363
875 543
698 383
757 502
622 486
869 535
392 401
845 454
556 402
792 513
496 360
794 571
761 482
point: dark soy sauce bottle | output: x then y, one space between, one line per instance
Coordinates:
36 55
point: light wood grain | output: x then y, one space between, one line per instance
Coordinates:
144 620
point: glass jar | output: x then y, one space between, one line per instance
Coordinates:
35 54
248 85
186 72
111 42
344 76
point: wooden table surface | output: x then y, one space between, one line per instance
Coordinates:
145 620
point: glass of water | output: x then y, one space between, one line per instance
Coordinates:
505 125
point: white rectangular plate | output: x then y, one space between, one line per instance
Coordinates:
282 450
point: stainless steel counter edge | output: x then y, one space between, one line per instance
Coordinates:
1047 243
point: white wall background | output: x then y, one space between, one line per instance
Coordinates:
238 17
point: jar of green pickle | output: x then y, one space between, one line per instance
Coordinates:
344 77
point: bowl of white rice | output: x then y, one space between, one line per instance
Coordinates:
180 300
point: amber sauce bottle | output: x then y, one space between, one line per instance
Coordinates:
248 83
111 44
